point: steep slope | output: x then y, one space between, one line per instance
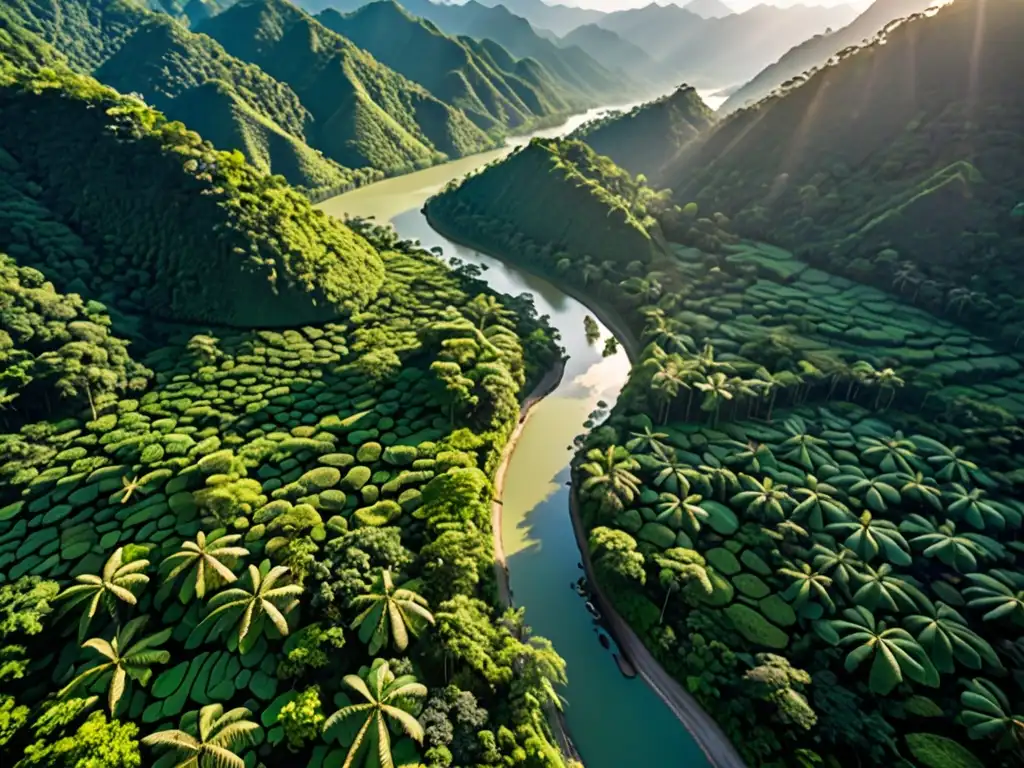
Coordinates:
647 138
532 82
237 106
87 32
558 193
23 49
708 9
615 53
926 168
816 51
365 113
560 19
572 66
169 227
443 65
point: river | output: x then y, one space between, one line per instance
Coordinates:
615 722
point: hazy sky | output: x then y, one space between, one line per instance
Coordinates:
736 5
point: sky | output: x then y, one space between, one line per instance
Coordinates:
736 5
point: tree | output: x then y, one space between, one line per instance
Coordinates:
819 505
763 498
681 568
673 473
893 653
999 593
974 509
611 479
211 561
922 490
385 696
458 386
686 513
952 466
254 602
806 450
717 389
122 659
808 585
881 589
129 488
484 308
648 441
209 738
945 637
389 611
894 455
615 554
96 743
302 718
941 541
869 537
985 710
116 584
842 565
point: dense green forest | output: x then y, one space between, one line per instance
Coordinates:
448 68
237 544
647 138
806 501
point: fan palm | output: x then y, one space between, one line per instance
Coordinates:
894 654
869 537
891 454
219 734
116 584
999 593
686 513
716 481
922 490
611 478
819 505
952 466
121 659
946 638
842 566
717 389
763 498
803 448
881 589
941 541
972 507
249 606
648 441
808 586
389 611
674 474
986 713
209 560
384 695
877 493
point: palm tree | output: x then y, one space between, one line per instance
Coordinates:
665 383
972 507
907 274
869 537
819 505
842 566
484 308
686 513
115 585
674 474
1000 593
680 568
763 498
877 493
952 466
806 450
887 381
892 454
922 490
210 559
385 696
986 713
941 541
717 389
389 611
647 441
945 637
220 733
716 481
129 488
611 478
123 659
880 588
807 586
250 606
893 653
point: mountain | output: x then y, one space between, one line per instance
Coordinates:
816 51
647 138
571 66
446 66
164 224
560 19
556 192
654 28
364 114
708 9
614 52
911 151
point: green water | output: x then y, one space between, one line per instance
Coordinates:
615 722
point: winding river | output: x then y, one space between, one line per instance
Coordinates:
614 722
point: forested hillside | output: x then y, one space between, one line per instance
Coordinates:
445 66
216 254
617 53
365 113
816 51
556 193
918 186
649 137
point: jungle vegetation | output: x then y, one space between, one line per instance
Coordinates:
807 499
222 542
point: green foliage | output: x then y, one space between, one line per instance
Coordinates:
302 717
932 751
97 743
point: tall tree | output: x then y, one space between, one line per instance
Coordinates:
115 585
212 740
389 612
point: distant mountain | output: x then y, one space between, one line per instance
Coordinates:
235 105
816 51
446 66
911 151
648 138
708 9
655 28
364 113
572 66
560 19
615 53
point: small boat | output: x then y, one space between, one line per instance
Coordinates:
593 611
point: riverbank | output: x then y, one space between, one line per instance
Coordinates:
705 732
